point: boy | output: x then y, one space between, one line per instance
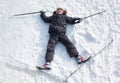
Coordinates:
57 30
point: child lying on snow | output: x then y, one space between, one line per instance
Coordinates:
57 30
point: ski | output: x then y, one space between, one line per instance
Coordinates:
42 68
30 69
46 71
92 57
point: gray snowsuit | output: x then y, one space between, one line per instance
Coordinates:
57 30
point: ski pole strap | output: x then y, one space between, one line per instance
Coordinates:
93 14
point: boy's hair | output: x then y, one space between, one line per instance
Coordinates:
64 11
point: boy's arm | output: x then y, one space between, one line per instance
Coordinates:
45 18
71 20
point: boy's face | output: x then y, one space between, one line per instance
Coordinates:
59 11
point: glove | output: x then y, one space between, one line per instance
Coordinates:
78 20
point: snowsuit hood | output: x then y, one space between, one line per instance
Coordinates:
64 11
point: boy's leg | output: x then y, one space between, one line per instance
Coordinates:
51 48
69 45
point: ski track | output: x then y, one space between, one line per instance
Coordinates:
23 42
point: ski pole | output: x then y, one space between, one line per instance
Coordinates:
27 13
93 14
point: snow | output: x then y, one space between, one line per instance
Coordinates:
23 41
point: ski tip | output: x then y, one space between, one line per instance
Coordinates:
37 66
89 58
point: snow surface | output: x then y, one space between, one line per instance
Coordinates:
23 41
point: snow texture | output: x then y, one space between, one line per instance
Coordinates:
23 41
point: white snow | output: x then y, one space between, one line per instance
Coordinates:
23 41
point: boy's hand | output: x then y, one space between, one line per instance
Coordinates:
78 20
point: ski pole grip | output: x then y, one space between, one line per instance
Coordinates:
94 14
